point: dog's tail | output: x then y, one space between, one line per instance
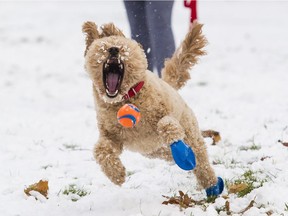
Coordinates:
176 69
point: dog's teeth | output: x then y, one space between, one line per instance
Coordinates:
111 94
106 65
121 66
119 61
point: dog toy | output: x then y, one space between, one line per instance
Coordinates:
217 189
183 155
128 115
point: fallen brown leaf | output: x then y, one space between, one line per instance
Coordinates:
215 135
183 200
227 207
248 207
41 187
270 212
187 200
283 143
236 188
264 158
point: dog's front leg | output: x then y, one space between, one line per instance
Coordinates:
173 135
106 153
170 130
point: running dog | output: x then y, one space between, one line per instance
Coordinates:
117 67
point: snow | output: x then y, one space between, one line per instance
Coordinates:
48 126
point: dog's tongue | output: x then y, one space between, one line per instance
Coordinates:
112 81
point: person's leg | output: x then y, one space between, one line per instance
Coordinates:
139 30
161 35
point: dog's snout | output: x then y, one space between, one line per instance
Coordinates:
113 51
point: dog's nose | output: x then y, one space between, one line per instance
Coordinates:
113 51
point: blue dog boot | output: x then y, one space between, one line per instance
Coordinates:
217 189
183 155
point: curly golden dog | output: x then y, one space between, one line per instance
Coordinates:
117 67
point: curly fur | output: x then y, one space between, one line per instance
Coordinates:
165 117
90 29
176 70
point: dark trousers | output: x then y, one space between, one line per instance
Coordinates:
150 23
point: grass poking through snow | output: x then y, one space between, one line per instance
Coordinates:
75 192
244 184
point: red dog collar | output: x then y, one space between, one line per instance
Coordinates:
133 91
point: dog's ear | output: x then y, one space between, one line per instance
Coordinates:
110 29
90 29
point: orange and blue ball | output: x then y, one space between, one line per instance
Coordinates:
128 115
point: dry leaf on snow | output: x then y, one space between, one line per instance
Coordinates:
184 201
283 143
236 188
215 135
251 204
41 187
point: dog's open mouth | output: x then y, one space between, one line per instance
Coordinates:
113 72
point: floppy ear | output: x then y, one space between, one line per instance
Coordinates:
90 29
110 29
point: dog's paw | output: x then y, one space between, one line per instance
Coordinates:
114 169
118 175
216 189
183 155
110 163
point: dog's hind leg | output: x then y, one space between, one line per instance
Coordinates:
106 153
204 172
173 133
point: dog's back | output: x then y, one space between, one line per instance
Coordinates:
176 69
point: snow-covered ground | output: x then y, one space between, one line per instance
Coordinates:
48 126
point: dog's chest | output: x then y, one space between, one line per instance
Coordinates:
143 137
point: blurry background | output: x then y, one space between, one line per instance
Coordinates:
48 124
